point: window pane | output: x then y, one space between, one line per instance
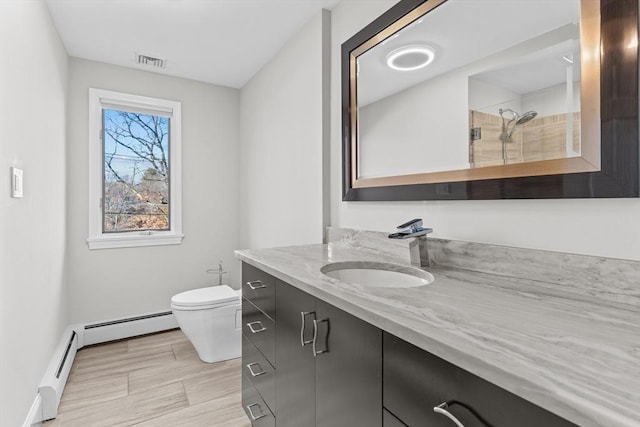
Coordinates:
136 172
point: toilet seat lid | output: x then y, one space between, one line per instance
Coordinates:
211 296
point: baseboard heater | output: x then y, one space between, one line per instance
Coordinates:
112 330
77 336
55 378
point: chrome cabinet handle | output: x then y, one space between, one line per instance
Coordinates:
304 314
253 373
256 284
316 352
441 409
253 329
253 417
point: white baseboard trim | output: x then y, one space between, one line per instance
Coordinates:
34 417
75 337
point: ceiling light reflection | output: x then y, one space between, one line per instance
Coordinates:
412 57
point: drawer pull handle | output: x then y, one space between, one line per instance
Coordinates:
254 373
316 352
441 409
253 417
304 314
256 284
253 329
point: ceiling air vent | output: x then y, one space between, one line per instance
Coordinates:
150 61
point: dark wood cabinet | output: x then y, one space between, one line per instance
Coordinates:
259 288
416 381
254 406
318 366
295 382
330 366
348 371
258 346
258 328
259 372
390 420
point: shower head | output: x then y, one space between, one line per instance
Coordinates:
508 110
517 119
529 115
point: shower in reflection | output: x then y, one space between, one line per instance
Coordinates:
508 127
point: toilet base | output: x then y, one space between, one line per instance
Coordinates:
212 354
216 334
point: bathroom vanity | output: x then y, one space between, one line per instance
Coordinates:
319 349
485 349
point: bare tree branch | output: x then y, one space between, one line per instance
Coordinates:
145 137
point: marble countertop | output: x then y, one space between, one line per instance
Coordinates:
572 354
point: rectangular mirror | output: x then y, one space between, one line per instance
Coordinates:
457 99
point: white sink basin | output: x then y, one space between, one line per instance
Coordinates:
377 274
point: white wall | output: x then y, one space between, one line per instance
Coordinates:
551 100
425 128
282 144
33 94
111 283
609 227
489 98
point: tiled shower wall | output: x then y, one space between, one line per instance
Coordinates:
542 138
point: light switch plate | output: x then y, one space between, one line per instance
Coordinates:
16 182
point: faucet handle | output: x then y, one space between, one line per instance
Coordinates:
413 225
411 228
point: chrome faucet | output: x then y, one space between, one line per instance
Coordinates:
418 250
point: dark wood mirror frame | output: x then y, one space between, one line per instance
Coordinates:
619 174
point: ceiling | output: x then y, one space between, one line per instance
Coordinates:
482 32
223 42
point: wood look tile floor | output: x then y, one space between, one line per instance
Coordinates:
151 381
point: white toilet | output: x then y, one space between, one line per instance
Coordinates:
212 320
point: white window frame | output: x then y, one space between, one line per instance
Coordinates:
99 99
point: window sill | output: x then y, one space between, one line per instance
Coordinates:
131 241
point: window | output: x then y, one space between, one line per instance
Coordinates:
134 166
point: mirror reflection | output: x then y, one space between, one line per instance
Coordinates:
471 84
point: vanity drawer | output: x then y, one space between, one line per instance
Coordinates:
390 420
255 408
416 381
259 288
259 371
259 329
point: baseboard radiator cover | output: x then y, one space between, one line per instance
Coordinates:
112 330
80 335
57 373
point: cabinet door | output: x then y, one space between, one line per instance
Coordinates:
295 392
416 381
348 371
